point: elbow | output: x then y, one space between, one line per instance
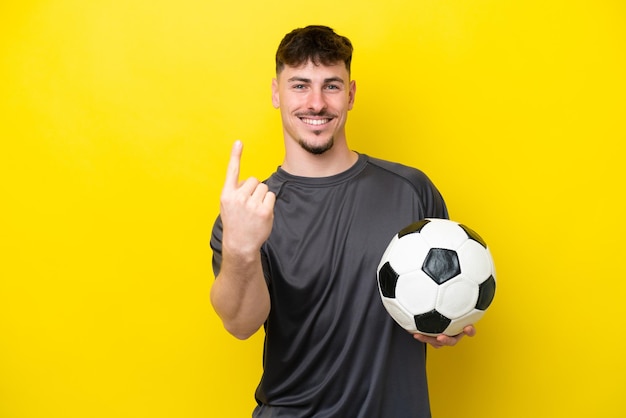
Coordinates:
240 333
241 319
236 327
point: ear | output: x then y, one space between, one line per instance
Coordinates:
275 98
351 94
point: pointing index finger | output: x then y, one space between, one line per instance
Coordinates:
232 172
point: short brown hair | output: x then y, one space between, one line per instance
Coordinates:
318 44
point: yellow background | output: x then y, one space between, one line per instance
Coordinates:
116 118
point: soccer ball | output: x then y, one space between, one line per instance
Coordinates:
436 277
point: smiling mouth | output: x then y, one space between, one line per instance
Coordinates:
315 122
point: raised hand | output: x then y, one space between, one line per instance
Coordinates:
246 208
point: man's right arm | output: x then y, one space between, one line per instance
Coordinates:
239 294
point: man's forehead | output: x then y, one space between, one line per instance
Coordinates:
311 70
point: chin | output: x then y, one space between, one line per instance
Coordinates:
317 148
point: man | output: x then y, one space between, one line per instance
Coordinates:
298 253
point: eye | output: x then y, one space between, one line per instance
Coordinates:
334 87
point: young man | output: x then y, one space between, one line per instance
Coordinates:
298 253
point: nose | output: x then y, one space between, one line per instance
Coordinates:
316 101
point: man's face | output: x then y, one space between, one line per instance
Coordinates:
314 101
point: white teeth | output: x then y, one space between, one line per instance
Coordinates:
315 121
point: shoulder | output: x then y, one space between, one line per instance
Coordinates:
402 172
403 179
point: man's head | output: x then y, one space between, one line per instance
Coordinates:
318 44
313 89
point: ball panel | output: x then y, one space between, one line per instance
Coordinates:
456 326
457 297
387 279
442 233
475 261
414 227
441 265
473 235
431 323
399 314
416 292
408 254
486 293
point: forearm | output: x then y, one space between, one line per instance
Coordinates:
240 296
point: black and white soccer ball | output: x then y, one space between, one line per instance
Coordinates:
436 277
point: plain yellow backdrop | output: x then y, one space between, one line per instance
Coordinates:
116 119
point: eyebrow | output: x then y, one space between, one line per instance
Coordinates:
308 80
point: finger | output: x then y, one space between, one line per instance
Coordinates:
232 171
469 330
263 196
447 340
270 199
259 192
250 186
426 339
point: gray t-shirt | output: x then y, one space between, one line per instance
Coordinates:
331 350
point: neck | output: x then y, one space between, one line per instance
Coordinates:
299 162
